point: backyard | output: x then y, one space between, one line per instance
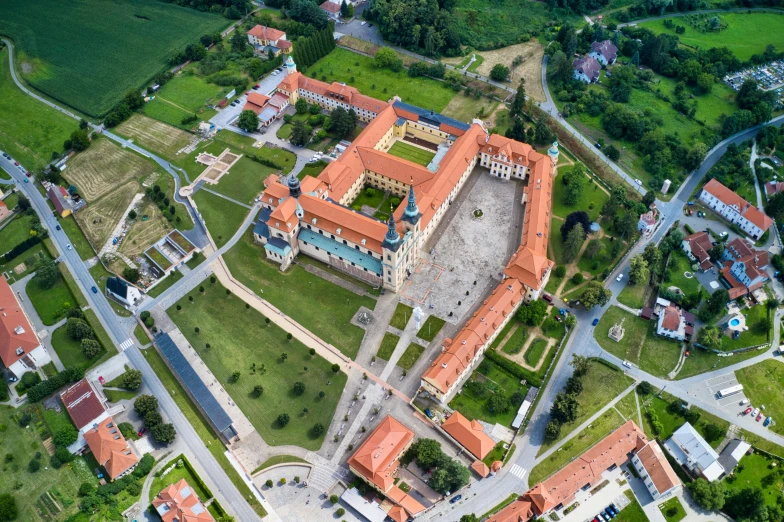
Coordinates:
487 380
233 334
317 304
757 471
664 406
50 303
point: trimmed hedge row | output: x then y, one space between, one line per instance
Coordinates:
196 477
514 368
22 247
49 386
688 228
264 161
606 363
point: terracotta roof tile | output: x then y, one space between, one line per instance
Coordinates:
263 32
179 503
658 468
470 435
17 337
110 448
377 457
82 403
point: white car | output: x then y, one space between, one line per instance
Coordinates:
755 412
639 182
363 23
69 246
620 276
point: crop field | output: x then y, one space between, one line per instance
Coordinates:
413 154
101 168
88 53
746 33
98 219
144 233
29 130
154 135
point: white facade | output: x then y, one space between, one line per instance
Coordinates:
39 357
731 213
502 166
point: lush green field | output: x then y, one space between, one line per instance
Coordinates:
408 152
358 71
671 419
185 95
167 282
535 351
591 200
762 384
76 237
430 328
515 343
223 218
88 53
50 303
679 264
746 33
401 316
700 361
410 356
632 295
29 130
633 512
244 181
238 338
317 304
497 380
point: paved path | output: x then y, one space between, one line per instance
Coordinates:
752 160
240 203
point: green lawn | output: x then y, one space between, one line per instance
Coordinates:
388 344
762 384
401 316
244 181
200 424
234 333
167 282
628 407
138 332
600 385
754 335
639 344
700 361
76 237
591 200
466 108
679 264
632 295
556 241
673 510
746 33
671 419
29 130
578 445
516 341
410 356
317 304
633 512
756 471
77 54
535 351
68 350
50 303
244 144
119 395
312 169
172 474
430 328
603 259
278 459
475 407
223 218
372 200
358 71
411 153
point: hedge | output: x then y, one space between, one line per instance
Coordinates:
22 247
218 508
49 386
606 363
196 477
688 228
264 161
514 368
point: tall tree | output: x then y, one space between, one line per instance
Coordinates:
638 270
573 243
594 294
249 121
518 101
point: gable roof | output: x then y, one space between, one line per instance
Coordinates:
518 511
179 503
589 66
659 470
694 446
330 7
17 337
672 318
376 458
263 32
110 448
606 48
255 102
117 286
470 434
82 403
699 243
481 468
754 215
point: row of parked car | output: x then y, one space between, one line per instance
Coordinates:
608 514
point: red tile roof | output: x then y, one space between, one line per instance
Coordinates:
377 458
672 318
82 403
773 187
110 448
518 511
481 468
255 102
730 198
700 243
179 503
470 434
17 337
658 468
589 66
330 7
266 33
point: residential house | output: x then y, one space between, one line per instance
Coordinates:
735 209
110 448
469 434
605 52
376 462
179 503
586 69
20 349
86 409
267 108
122 291
4 212
744 267
672 324
773 187
267 39
331 8
697 246
647 222
691 451
732 453
64 203
656 473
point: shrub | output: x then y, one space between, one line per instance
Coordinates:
335 368
340 512
333 499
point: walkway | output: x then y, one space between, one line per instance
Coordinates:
752 161
227 198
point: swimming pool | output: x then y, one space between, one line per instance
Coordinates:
734 322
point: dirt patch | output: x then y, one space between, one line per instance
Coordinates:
99 219
531 68
102 168
368 48
27 67
144 232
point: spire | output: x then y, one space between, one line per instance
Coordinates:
411 208
293 184
392 236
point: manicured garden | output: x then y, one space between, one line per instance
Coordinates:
227 340
317 304
430 328
515 343
50 303
401 316
410 356
591 200
244 181
535 351
411 153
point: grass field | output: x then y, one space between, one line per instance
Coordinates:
317 304
633 512
244 181
278 459
233 333
410 356
77 53
591 201
77 237
401 316
430 328
754 335
358 71
99 220
222 217
700 361
746 33
475 407
185 95
144 233
154 135
762 384
103 167
413 154
168 281
50 303
632 295
671 420
70 351
515 343
466 108
673 510
535 351
679 264
387 347
29 130
639 344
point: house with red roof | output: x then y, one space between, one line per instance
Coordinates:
4 212
469 434
20 349
331 8
735 209
267 108
586 69
265 39
110 448
179 503
697 246
655 471
605 52
672 324
744 267
86 409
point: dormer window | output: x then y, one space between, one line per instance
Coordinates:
19 330
20 351
363 242
338 231
313 221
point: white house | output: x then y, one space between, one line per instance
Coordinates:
647 223
690 450
605 52
20 349
735 209
655 471
697 246
586 69
122 291
672 323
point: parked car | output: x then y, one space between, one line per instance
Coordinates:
767 421
16 163
620 276
101 380
639 182
755 412
744 402
428 413
6 156
57 227
747 411
547 298
456 498
69 246
595 322
141 432
723 234
759 417
363 23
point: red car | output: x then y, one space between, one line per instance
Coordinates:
141 432
101 380
759 417
16 163
27 173
256 86
747 411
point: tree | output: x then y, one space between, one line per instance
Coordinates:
145 404
333 499
575 182
131 274
518 101
8 510
46 274
317 430
78 329
249 121
235 376
564 408
387 58
283 419
164 433
132 379
573 219
573 243
533 313
80 140
269 483
708 495
469 518
34 465
257 391
335 368
710 337
499 72
428 453
612 152
299 388
594 294
65 435
344 9
284 356
342 122
552 431
570 321
238 42
775 206
560 270
300 134
90 348
652 256
580 364
574 385
638 270
340 512
499 403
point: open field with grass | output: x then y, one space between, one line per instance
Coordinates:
317 304
154 135
401 316
169 280
430 328
244 181
99 220
762 384
103 167
669 417
29 130
472 401
143 233
746 33
387 347
222 217
50 303
77 55
591 200
70 351
233 331
639 344
632 295
410 356
466 108
532 53
700 361
411 153
344 66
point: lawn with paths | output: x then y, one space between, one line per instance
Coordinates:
401 316
388 344
762 384
596 264
535 351
368 196
359 71
222 217
317 304
639 344
516 341
244 181
235 334
410 356
431 328
600 385
411 153
591 200
496 380
29 130
77 55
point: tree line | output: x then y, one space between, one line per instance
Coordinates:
426 26
309 49
232 9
